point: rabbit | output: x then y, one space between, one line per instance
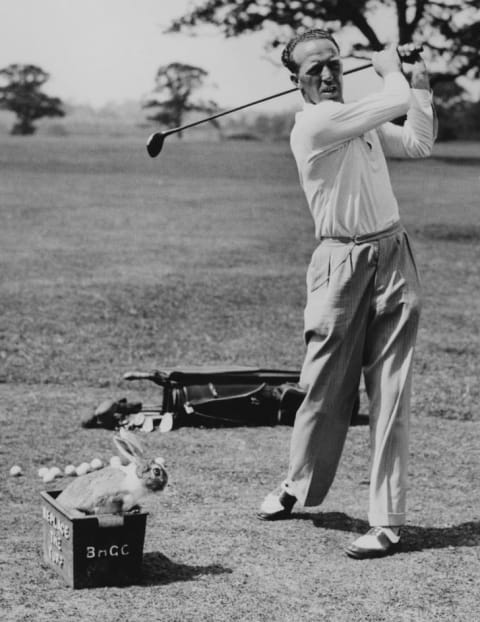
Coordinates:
114 490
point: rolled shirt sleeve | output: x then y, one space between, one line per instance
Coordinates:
415 138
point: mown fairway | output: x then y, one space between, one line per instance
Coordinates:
112 261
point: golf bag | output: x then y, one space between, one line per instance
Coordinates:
210 397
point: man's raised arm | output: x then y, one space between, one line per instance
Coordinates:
330 122
416 137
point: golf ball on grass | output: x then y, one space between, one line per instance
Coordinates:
96 464
115 461
83 468
70 470
16 471
42 471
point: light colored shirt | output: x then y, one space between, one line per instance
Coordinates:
340 153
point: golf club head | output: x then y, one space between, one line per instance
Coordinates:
155 144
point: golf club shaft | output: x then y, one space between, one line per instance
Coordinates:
254 103
156 140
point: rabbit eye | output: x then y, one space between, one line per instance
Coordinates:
156 471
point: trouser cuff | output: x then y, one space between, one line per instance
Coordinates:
386 520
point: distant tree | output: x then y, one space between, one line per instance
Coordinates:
450 29
274 126
21 93
453 110
175 85
473 120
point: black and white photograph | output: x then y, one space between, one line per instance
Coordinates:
240 310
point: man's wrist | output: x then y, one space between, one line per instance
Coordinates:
393 74
420 82
419 78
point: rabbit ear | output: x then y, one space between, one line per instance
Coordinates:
129 446
132 439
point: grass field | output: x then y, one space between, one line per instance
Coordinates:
112 261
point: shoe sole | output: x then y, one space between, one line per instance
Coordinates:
395 548
286 501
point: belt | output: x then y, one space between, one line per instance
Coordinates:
365 238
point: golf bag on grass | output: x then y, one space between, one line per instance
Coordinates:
210 396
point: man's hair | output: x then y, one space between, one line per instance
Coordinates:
313 33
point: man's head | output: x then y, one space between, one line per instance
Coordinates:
313 59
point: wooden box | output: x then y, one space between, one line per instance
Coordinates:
92 550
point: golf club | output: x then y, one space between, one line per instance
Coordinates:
156 140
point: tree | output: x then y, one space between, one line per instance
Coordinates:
174 86
450 29
21 94
452 111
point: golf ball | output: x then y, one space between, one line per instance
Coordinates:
48 477
83 468
70 470
55 472
115 461
15 471
96 464
42 471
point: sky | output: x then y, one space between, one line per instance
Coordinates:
101 51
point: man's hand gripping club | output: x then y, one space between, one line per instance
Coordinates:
390 60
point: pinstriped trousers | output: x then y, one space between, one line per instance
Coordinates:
362 313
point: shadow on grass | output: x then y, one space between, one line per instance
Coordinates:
414 537
159 569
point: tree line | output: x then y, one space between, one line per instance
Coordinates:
449 30
174 97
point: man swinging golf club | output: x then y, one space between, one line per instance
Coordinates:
363 300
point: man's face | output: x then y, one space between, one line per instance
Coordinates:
319 74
